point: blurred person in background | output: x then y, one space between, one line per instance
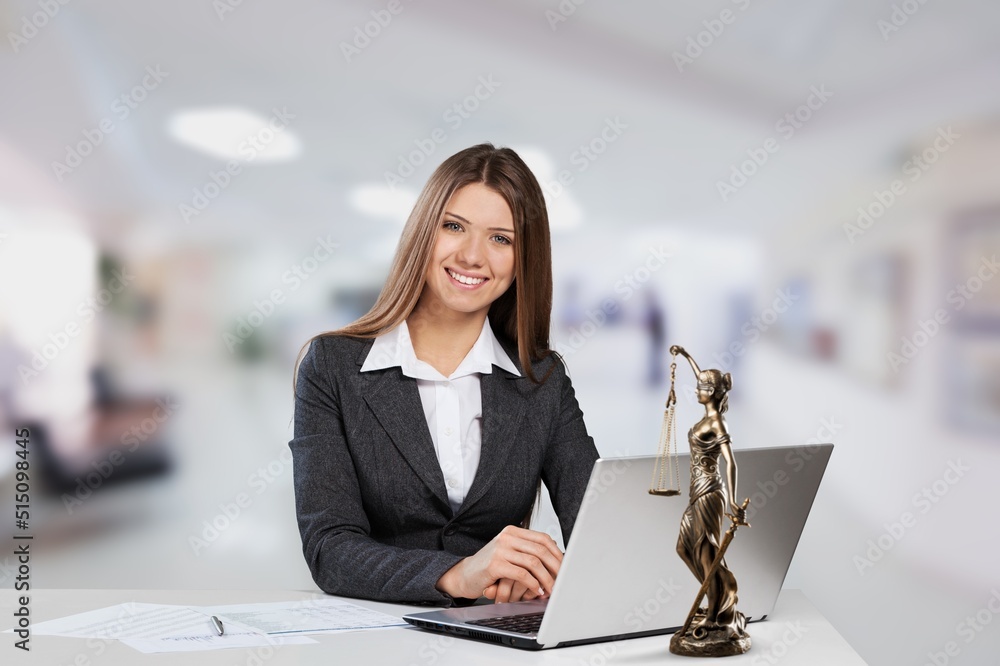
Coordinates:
417 463
654 321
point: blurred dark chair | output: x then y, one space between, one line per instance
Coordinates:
119 448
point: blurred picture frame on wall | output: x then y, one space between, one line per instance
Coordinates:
878 292
972 383
974 293
972 358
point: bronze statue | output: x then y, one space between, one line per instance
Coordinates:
718 629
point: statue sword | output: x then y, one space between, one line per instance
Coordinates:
726 540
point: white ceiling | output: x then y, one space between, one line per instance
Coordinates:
557 88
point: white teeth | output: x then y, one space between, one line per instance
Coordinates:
466 280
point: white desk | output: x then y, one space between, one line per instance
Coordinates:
796 633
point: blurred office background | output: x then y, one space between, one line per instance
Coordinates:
804 194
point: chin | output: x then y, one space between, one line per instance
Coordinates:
464 307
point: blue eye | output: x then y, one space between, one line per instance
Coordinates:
503 239
453 224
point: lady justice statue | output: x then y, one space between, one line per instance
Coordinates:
718 629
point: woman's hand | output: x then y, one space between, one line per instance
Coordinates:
529 560
739 513
506 589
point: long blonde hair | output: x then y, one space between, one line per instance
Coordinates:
521 315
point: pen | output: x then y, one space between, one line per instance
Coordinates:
218 624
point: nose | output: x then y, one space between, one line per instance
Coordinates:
471 251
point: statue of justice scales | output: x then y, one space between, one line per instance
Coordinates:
717 629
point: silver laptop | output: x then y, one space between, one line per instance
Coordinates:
621 576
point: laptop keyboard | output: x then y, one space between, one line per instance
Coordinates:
519 624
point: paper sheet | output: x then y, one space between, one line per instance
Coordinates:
152 628
309 616
212 641
129 620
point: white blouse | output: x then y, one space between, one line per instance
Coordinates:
452 405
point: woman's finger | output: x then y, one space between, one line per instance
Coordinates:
533 566
518 592
540 538
517 573
532 555
548 542
504 589
521 593
548 560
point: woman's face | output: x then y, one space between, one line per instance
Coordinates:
706 391
472 262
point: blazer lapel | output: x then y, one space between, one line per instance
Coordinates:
503 408
395 400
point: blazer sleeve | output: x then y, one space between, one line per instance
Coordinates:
570 455
342 556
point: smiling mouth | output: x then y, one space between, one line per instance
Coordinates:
467 281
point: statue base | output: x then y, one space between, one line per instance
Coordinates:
721 641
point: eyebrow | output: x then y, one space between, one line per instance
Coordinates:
509 231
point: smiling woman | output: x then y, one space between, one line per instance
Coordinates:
471 266
424 429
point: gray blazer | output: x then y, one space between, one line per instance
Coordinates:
370 497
